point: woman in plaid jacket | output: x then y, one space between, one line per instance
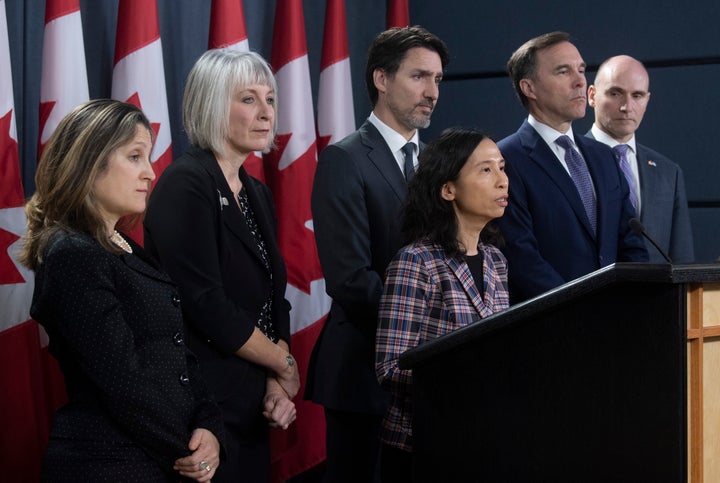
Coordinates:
448 277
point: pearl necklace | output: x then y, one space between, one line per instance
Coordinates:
117 239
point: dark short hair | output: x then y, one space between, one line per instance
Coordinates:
522 62
390 48
426 215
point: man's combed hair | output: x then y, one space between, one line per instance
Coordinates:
73 158
390 48
426 215
523 61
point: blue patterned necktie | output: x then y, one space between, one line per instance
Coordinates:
581 177
408 150
621 154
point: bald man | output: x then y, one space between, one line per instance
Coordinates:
620 96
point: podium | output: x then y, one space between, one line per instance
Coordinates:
613 377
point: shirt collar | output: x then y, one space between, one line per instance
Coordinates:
549 134
393 139
605 138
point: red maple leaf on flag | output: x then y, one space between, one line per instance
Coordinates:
8 272
135 100
45 109
292 201
322 142
11 196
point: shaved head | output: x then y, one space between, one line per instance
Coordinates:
620 96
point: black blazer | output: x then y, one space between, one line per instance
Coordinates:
357 197
135 393
201 238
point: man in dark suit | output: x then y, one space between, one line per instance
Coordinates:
620 96
359 188
568 207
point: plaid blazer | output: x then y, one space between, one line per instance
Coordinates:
428 294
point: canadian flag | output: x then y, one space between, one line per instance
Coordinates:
64 82
23 405
336 114
139 76
227 31
31 384
398 13
290 170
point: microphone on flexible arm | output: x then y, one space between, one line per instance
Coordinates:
639 228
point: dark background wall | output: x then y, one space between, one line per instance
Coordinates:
678 41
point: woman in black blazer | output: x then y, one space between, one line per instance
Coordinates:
213 228
137 409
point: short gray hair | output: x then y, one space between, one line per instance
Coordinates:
211 84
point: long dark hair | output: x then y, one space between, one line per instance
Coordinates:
426 215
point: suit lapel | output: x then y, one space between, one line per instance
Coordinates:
383 159
463 275
541 154
648 181
143 264
231 217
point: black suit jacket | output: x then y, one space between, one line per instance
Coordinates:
357 197
199 234
115 326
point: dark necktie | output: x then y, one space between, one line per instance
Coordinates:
581 177
408 151
621 154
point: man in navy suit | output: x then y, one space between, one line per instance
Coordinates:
558 226
359 189
620 96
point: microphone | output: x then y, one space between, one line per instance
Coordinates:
639 228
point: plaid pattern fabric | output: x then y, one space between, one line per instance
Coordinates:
426 295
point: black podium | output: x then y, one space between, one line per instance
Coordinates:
588 382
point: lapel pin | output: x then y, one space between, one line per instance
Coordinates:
223 200
651 163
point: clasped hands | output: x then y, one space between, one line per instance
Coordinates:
278 407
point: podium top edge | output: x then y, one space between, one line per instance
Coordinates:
598 280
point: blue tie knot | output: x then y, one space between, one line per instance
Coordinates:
565 142
620 150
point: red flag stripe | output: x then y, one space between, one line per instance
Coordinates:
335 42
335 110
227 23
140 27
398 13
60 8
288 33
